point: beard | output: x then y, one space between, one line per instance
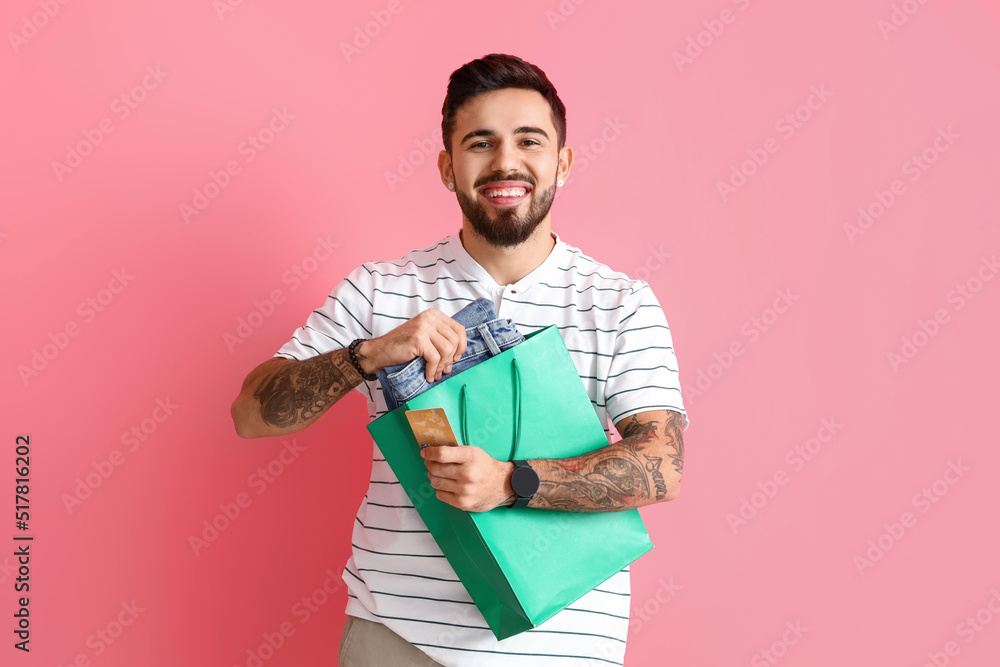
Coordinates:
507 229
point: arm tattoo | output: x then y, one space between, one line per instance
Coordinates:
672 435
301 392
621 476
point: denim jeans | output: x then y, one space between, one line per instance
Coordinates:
486 334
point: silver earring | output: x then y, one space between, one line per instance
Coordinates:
559 182
451 186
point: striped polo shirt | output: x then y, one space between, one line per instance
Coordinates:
617 337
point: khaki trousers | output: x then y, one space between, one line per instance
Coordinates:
365 643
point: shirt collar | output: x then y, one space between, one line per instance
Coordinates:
473 269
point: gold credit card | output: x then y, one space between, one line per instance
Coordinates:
431 427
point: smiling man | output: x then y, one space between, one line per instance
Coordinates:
504 131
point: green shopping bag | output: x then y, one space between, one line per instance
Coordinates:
520 566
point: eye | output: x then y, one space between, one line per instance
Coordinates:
533 142
479 143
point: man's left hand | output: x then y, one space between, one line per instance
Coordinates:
468 478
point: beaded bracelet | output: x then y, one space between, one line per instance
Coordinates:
354 360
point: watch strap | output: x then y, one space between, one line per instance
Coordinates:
523 500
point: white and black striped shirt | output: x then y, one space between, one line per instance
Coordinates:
618 339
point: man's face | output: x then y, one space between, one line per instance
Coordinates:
505 140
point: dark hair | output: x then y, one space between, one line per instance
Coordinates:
495 72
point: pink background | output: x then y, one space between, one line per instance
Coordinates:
661 135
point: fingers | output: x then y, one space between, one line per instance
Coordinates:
462 341
451 471
444 341
461 479
431 334
431 352
449 343
444 455
445 461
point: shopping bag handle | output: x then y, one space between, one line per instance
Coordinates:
464 398
517 410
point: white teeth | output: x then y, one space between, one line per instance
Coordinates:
512 192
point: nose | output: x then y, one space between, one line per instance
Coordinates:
506 158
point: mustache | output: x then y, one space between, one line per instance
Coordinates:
507 177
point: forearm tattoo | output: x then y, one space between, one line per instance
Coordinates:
620 476
302 391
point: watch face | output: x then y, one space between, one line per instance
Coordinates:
524 481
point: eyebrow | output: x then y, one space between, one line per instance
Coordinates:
524 129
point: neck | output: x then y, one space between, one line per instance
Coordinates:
508 265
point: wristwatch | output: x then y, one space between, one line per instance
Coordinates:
524 481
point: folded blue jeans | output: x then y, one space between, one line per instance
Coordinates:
486 335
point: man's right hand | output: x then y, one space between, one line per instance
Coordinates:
437 338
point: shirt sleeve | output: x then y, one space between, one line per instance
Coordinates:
643 374
346 314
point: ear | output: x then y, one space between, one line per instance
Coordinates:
565 162
445 167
